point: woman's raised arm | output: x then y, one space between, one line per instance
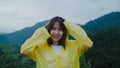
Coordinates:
82 40
35 41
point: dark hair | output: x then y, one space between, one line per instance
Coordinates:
50 25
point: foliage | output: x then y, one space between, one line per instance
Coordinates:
11 58
84 63
106 50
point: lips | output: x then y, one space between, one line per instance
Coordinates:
56 37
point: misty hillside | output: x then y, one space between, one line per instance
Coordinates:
102 23
18 37
103 31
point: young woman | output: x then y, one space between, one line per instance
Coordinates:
50 47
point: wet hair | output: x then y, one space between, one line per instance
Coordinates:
50 25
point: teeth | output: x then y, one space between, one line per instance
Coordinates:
55 36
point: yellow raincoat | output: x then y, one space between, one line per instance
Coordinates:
37 48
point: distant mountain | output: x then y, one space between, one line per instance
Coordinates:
102 23
20 36
105 52
1 33
104 32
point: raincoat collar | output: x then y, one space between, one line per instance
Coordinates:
52 53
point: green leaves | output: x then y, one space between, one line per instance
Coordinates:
10 57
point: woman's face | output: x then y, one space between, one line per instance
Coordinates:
56 33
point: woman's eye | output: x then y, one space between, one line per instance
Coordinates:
60 29
54 28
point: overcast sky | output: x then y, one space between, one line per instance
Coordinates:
17 14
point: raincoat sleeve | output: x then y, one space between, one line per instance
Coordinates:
35 41
82 41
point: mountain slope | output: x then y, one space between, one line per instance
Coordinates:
104 31
20 36
106 50
102 23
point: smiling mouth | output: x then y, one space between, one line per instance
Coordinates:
56 37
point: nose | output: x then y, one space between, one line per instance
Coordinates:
56 31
